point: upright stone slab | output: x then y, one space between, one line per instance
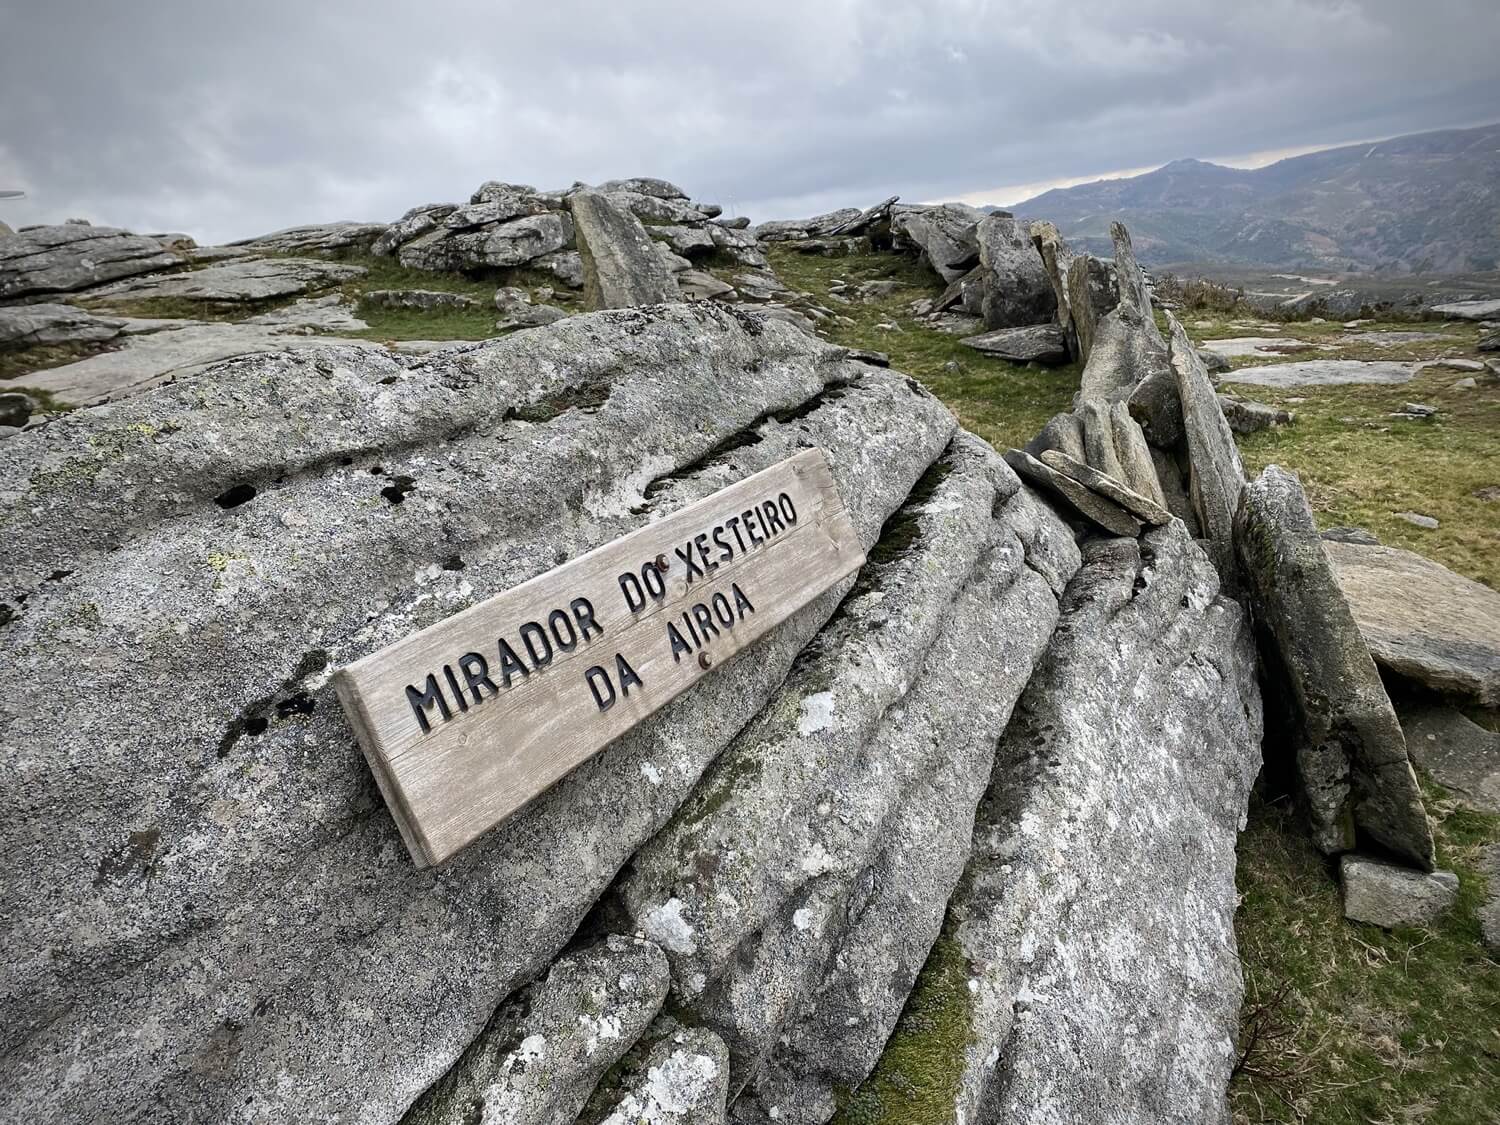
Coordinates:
1350 753
1216 477
621 267
1125 347
1017 290
1096 915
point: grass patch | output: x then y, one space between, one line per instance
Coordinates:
1004 403
183 308
917 1079
439 323
1359 466
1360 1025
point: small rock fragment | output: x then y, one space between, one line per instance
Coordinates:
1416 519
1387 895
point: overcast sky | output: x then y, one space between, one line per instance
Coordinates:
226 120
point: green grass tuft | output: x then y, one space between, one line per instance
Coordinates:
917 1079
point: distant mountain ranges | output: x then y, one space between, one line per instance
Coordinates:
1427 203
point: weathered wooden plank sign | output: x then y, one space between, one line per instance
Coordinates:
468 720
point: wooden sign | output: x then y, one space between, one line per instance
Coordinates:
468 720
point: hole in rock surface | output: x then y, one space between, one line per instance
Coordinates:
235 496
399 489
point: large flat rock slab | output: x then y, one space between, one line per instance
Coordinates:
210 912
73 256
1324 373
241 280
152 358
1470 310
1421 620
1457 752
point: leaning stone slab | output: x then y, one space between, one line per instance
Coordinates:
620 264
25 326
1041 343
1102 881
1017 289
1107 514
1057 259
1350 752
1142 507
192 519
1216 477
544 1050
1384 894
70 257
1454 751
1469 310
1092 293
1134 453
1422 621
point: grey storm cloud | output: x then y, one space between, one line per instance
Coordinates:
228 120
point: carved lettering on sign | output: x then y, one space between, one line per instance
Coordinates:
468 720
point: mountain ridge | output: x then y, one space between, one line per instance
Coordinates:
1424 202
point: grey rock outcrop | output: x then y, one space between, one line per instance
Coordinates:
1101 884
417 299
1057 260
324 238
792 230
24 326
1017 288
1041 343
1353 771
241 791
517 310
67 258
621 267
174 349
1246 417
544 1050
1489 913
1387 895
1125 349
1422 621
946 235
496 245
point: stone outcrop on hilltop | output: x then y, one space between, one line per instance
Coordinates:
1013 750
